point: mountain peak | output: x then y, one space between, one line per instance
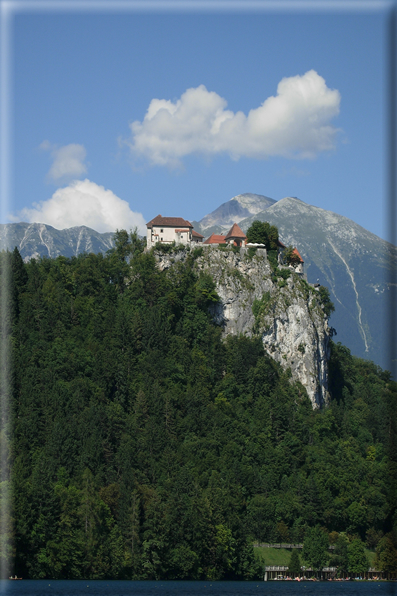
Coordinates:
252 199
293 199
236 209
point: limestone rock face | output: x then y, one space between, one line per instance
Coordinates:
297 336
286 313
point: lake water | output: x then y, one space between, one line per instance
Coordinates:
173 588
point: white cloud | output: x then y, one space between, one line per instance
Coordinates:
84 203
68 161
293 124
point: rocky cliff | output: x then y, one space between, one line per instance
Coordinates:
286 313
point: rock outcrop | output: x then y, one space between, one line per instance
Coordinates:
286 313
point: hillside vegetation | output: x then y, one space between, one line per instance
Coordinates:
144 446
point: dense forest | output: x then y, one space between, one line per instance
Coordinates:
146 446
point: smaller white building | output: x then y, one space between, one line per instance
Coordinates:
171 229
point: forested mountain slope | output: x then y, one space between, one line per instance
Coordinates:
146 447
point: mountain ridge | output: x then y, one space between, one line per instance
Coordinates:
35 240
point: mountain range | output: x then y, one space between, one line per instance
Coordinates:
352 262
35 240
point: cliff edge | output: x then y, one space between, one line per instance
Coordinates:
278 305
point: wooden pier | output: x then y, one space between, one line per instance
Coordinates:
281 572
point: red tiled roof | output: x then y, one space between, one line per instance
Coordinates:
196 234
235 232
280 243
296 252
215 239
168 222
181 230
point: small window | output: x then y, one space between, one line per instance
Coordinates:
161 231
161 238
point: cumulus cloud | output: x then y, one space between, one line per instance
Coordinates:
294 124
83 202
68 161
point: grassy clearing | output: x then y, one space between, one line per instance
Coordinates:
281 556
273 556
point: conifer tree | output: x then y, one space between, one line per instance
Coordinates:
294 565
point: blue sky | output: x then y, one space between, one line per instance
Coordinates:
80 79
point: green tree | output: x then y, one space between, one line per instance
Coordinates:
137 244
372 537
358 562
126 246
328 305
248 566
224 553
134 515
357 517
290 257
282 532
205 287
315 548
261 232
294 565
64 555
122 244
386 554
184 562
339 557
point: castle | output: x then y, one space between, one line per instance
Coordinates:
168 230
